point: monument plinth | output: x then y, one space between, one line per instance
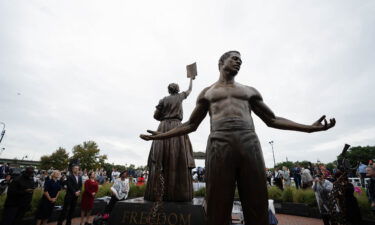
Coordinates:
137 211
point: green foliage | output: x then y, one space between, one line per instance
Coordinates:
288 164
104 190
359 154
330 166
364 205
88 155
57 160
287 195
136 191
304 163
274 193
306 196
201 192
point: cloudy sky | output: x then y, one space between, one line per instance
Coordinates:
73 71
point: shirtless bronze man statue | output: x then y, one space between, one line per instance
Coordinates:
234 155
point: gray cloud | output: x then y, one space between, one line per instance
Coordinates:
94 71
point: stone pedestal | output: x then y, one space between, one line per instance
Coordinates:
137 211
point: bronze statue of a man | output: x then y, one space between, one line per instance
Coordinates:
170 159
234 155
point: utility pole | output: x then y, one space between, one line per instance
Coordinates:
273 153
2 132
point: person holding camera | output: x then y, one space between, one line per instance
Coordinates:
19 196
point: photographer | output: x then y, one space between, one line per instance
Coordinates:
20 192
322 189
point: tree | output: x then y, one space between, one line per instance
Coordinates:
288 164
88 155
304 163
57 160
359 154
330 166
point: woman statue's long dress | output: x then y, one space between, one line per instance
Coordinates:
172 158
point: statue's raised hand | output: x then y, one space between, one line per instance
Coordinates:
153 136
322 124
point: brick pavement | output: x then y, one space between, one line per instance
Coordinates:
282 218
297 220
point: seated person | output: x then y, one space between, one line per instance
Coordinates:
120 190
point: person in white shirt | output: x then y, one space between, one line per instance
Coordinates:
115 174
120 190
322 189
286 176
306 178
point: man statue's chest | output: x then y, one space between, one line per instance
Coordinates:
217 94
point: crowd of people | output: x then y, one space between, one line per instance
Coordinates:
321 180
77 182
20 187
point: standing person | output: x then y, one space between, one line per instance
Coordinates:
322 189
120 190
85 176
278 178
371 187
91 188
20 193
234 155
51 192
362 173
5 183
171 158
141 180
269 176
73 191
4 170
114 175
297 176
286 176
306 178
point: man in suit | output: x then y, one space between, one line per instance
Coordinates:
73 190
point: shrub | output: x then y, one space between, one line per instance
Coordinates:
306 196
287 195
136 191
274 193
104 190
364 205
200 193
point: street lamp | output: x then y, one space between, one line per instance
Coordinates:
2 132
273 153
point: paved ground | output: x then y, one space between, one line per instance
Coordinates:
296 220
283 220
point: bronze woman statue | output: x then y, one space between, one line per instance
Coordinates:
171 158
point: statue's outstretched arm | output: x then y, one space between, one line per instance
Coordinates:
268 117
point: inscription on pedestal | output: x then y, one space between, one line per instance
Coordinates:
134 217
137 211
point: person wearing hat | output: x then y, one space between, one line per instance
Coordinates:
120 190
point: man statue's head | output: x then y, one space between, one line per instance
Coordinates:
230 62
173 88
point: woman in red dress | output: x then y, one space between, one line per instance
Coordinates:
91 188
